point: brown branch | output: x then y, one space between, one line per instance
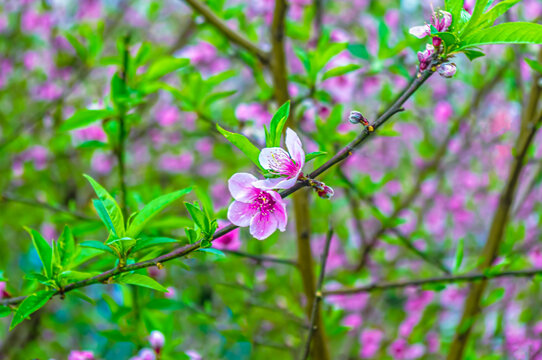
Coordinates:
529 126
433 280
234 36
318 296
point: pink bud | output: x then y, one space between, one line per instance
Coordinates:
437 41
447 70
157 340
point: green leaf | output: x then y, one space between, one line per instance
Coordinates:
77 275
507 33
454 7
535 65
45 252
66 247
4 311
145 243
475 17
84 118
42 279
243 144
314 155
118 90
473 54
458 255
81 295
359 50
449 38
497 11
141 280
217 96
494 296
213 251
104 216
164 66
277 125
339 71
197 215
110 205
152 209
29 305
93 244
192 235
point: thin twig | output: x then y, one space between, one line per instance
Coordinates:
318 294
43 205
261 258
433 280
234 36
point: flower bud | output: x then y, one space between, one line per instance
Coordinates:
326 193
356 117
157 340
447 70
437 41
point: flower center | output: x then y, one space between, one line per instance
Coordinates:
264 202
282 164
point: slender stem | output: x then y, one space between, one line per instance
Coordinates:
120 152
43 205
234 36
188 249
318 295
433 280
261 258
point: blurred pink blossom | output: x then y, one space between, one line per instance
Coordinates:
370 342
176 163
81 355
167 115
230 241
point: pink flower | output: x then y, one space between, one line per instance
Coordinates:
157 340
425 56
92 132
352 321
263 210
167 115
145 354
400 349
443 112
370 342
441 20
284 164
3 292
101 162
193 355
89 9
447 70
81 355
230 241
171 293
176 163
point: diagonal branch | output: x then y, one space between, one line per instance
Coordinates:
234 36
434 280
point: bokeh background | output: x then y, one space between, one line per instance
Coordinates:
429 182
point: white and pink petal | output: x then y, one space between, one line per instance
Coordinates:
241 186
240 213
263 225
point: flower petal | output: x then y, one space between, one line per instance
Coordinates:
281 215
420 31
261 226
240 213
241 187
295 148
269 158
268 184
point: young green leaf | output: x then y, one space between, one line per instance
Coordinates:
164 66
497 11
84 118
192 235
152 209
458 255
30 305
535 65
141 280
277 125
110 205
507 33
93 244
477 13
45 252
197 215
4 311
314 155
243 144
473 54
148 242
214 97
494 296
454 7
339 71
66 247
213 251
359 51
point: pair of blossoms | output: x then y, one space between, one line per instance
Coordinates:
257 204
441 21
